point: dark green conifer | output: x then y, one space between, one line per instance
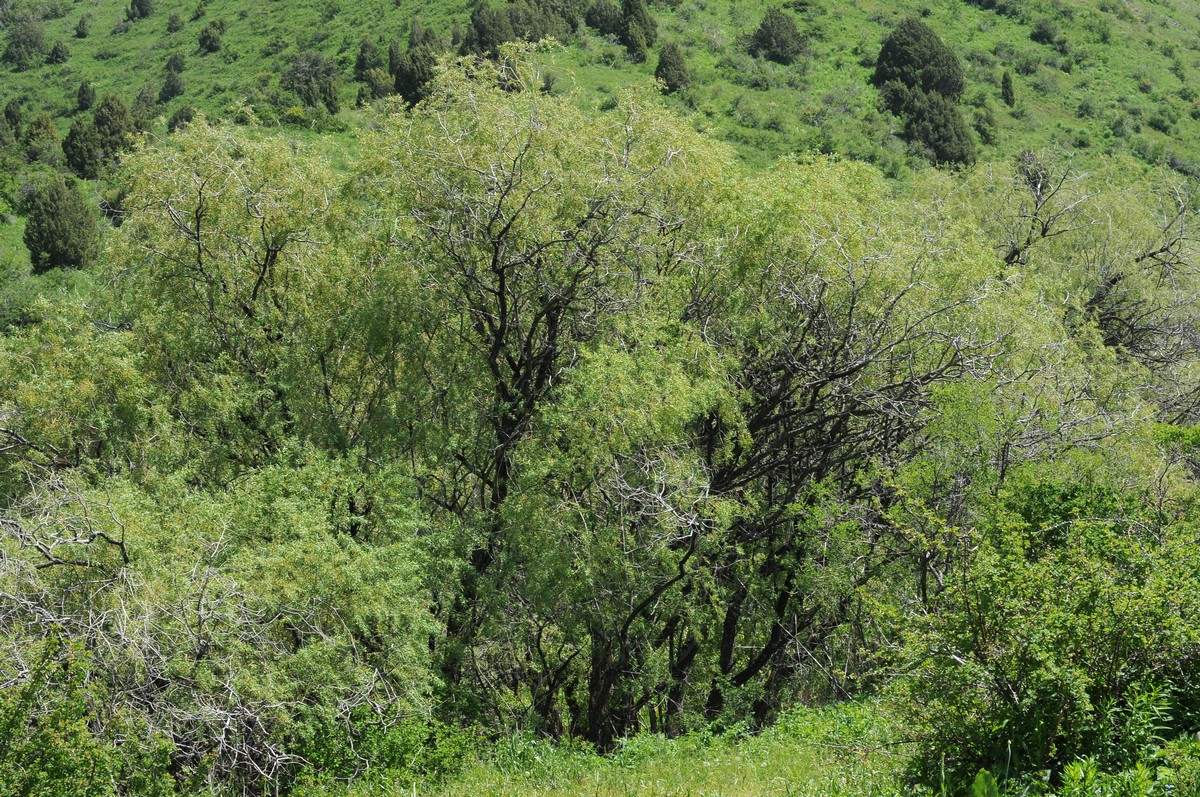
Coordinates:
777 38
672 69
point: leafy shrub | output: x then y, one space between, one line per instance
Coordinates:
1052 644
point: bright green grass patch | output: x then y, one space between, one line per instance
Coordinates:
841 750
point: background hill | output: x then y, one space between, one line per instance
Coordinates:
1098 77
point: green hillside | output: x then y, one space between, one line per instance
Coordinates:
1098 77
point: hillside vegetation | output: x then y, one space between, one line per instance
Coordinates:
529 427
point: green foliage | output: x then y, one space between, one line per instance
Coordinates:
937 124
210 37
605 17
1006 89
777 38
313 78
61 229
636 19
139 9
913 55
368 58
672 69
83 149
26 41
414 71
85 96
1039 655
114 127
489 28
60 53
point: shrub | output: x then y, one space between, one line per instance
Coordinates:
174 22
913 55
210 38
605 17
85 96
172 87
636 17
313 78
413 73
777 38
60 227
26 42
672 69
83 149
181 118
368 58
59 53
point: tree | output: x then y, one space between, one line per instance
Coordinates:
1006 89
60 53
26 42
636 17
182 117
368 58
605 17
937 123
83 149
143 107
85 95
14 115
313 78
777 38
635 44
413 73
489 28
920 79
139 9
913 55
421 36
114 126
174 22
210 37
175 63
172 87
60 228
378 84
394 54
672 69
41 139
83 26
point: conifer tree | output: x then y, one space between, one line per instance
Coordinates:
672 69
85 96
1006 90
60 227
777 38
636 17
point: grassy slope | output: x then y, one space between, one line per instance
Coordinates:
1121 81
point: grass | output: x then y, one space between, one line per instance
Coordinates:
835 751
1118 77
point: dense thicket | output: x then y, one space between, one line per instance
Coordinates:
564 421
